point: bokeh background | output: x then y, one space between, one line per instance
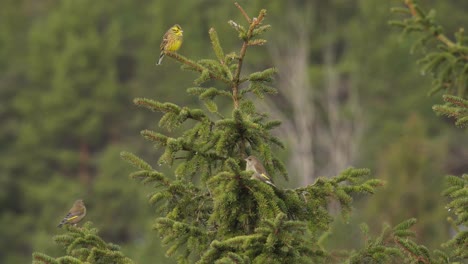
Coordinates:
351 94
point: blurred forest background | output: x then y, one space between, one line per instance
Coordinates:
351 94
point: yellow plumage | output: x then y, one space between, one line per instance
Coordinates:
172 41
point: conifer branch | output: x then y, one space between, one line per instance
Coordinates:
194 114
197 67
457 192
417 14
236 81
455 107
456 101
393 245
83 245
448 64
410 251
135 161
216 45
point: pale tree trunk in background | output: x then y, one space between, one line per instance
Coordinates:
295 108
344 123
295 87
322 125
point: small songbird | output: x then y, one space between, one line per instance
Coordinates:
76 213
253 164
172 41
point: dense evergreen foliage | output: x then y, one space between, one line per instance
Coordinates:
445 60
83 245
68 73
211 211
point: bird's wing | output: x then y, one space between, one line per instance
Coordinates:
69 217
74 214
264 176
164 41
267 179
260 169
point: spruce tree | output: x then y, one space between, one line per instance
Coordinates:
209 210
83 245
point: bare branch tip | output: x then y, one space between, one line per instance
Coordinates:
243 12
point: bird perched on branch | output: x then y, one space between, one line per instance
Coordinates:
253 164
76 213
172 41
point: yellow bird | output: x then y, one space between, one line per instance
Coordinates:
253 164
172 41
76 213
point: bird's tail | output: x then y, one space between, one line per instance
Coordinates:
161 56
64 221
271 183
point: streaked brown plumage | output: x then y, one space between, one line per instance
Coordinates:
253 164
75 215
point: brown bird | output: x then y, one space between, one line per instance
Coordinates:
76 213
253 164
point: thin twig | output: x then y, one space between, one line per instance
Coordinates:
410 5
455 102
236 81
243 12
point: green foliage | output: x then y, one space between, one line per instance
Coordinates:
415 161
316 196
457 192
445 60
83 245
208 209
449 68
395 245
275 241
211 211
455 107
65 74
449 72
